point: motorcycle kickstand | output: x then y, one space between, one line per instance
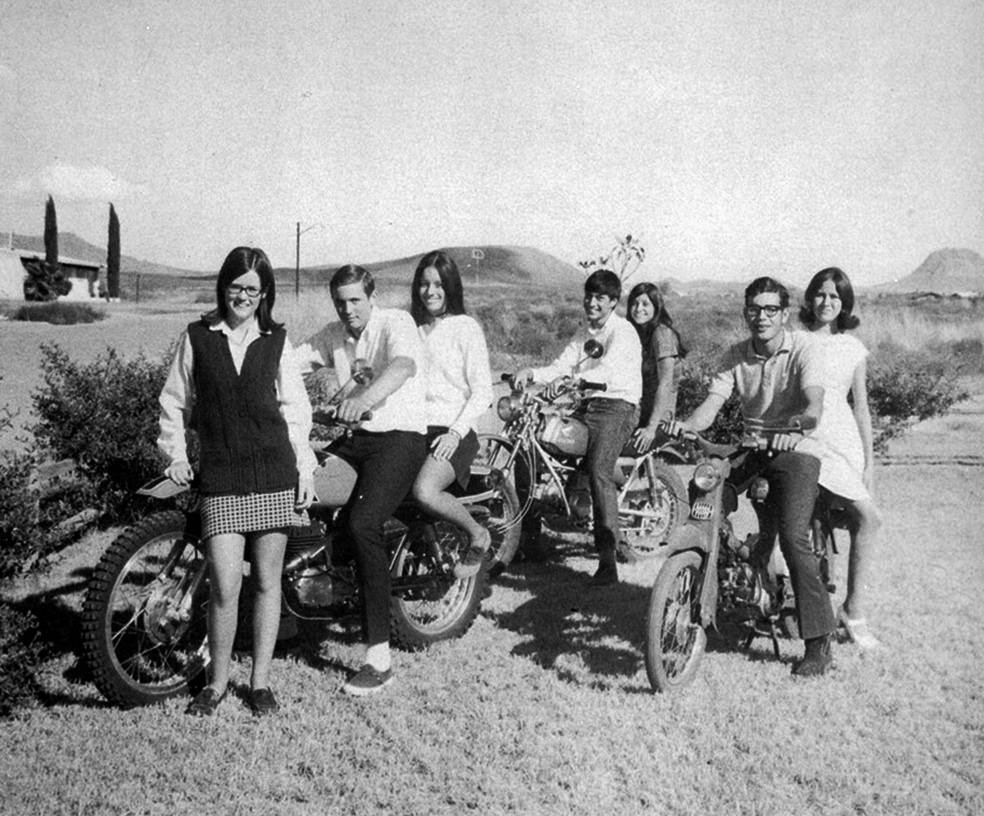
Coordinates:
773 636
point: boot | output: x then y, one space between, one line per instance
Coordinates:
607 574
817 658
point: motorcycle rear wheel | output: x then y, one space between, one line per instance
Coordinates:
144 620
650 510
444 607
675 639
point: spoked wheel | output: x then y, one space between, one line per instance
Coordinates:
675 639
492 470
651 505
144 619
433 605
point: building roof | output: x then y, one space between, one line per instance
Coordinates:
29 254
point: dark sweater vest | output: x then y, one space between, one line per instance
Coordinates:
245 447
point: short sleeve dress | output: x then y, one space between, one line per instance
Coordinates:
842 457
662 344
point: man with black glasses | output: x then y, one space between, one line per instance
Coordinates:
776 376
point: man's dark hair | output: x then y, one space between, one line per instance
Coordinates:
352 273
762 285
603 282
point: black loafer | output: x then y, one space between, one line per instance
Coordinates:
205 703
262 702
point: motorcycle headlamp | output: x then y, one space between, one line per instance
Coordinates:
706 477
509 408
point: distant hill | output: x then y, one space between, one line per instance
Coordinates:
493 264
944 272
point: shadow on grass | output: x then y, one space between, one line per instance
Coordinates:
54 633
567 617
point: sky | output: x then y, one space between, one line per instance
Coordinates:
732 137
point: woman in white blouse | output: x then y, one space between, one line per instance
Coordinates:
459 390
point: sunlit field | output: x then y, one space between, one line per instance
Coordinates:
544 707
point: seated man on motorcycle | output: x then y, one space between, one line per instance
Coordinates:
386 450
778 382
611 415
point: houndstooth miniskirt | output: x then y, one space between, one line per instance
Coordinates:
249 513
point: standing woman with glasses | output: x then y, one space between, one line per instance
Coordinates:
847 457
235 381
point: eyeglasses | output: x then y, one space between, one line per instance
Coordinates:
752 312
249 291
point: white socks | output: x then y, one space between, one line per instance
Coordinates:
378 656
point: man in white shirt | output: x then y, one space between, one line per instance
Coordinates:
386 450
611 415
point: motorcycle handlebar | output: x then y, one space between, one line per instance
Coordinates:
587 385
328 417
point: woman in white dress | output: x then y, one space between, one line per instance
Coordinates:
847 461
459 391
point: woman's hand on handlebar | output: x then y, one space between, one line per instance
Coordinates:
180 473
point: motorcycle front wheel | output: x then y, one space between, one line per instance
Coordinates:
507 505
144 626
651 506
675 639
435 605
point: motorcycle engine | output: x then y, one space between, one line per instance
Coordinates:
312 586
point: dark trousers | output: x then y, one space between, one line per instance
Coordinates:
387 464
610 424
792 479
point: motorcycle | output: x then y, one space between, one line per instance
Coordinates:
540 448
709 570
144 616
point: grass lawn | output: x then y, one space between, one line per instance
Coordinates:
544 707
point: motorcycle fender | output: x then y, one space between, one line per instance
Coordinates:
334 480
161 488
692 537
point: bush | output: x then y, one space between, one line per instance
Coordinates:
521 330
104 416
695 378
60 313
22 651
906 386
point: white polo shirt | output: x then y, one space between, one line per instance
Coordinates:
388 333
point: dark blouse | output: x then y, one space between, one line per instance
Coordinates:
662 345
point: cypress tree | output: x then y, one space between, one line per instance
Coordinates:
50 234
113 255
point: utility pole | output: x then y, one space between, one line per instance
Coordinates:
297 260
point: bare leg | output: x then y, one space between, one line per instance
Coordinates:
268 562
867 521
430 492
225 564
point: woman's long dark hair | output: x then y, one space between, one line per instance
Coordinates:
447 270
237 263
645 331
846 319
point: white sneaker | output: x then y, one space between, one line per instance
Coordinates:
857 630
